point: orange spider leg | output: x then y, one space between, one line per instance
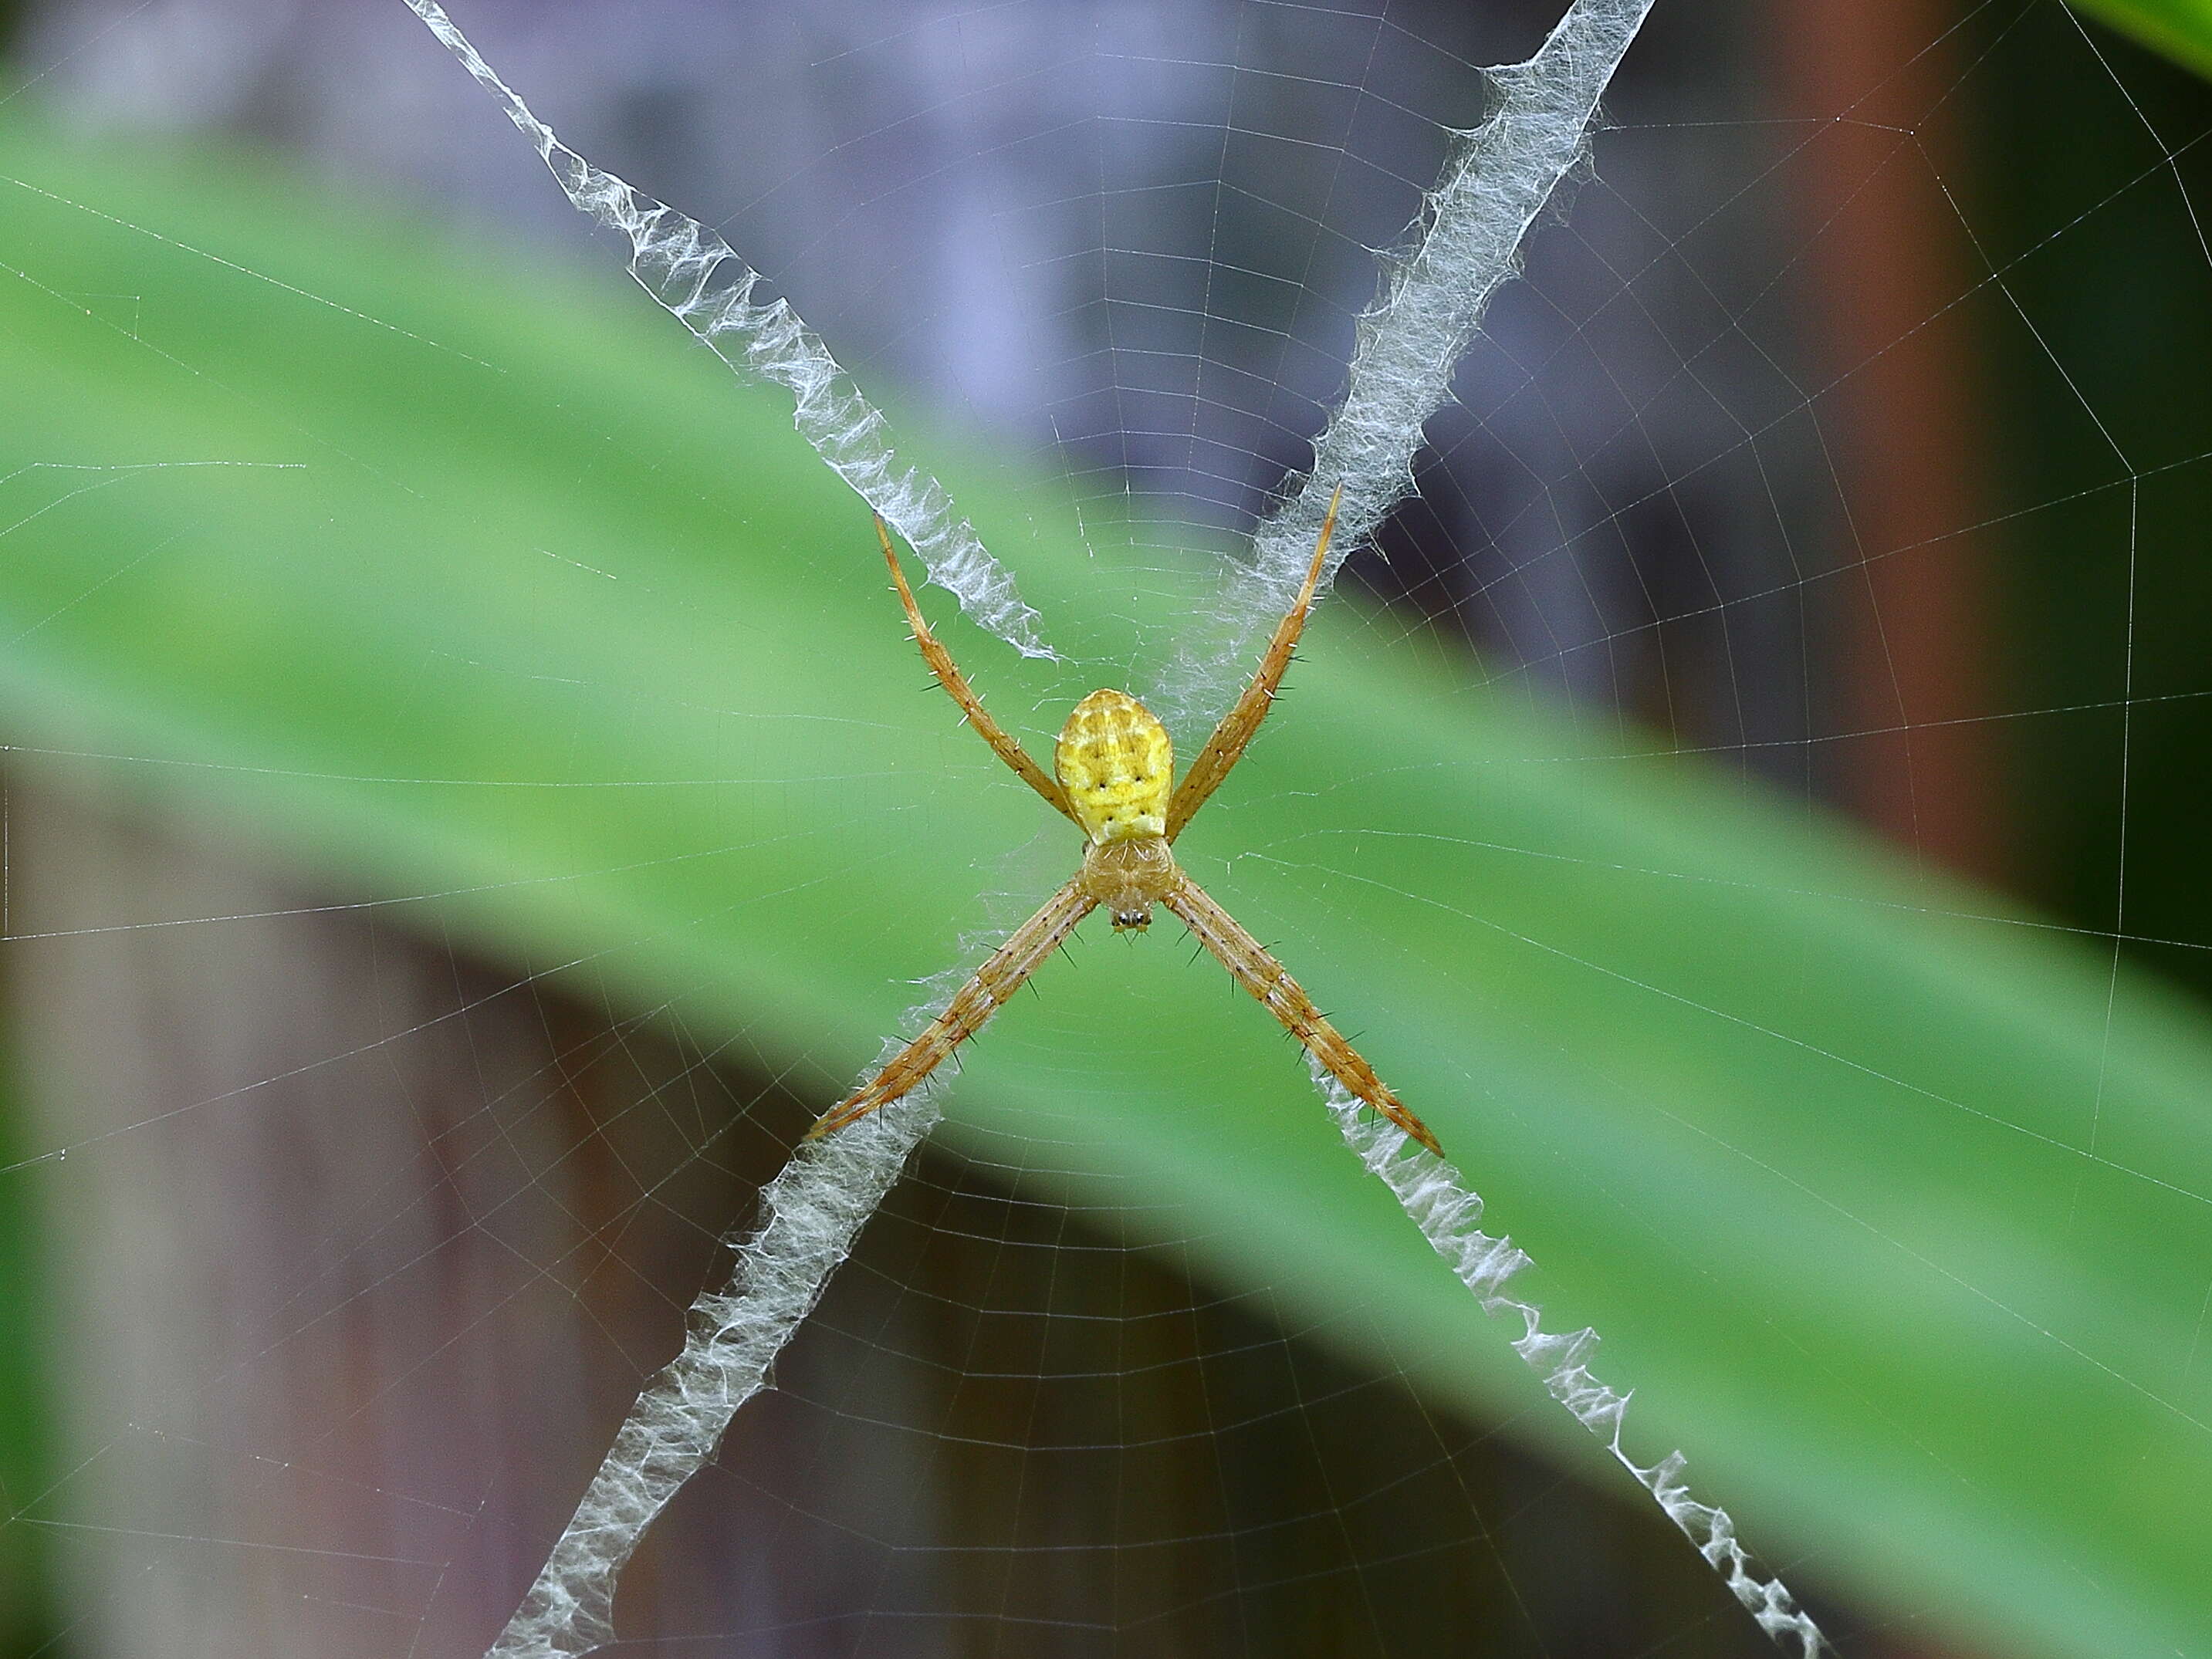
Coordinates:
970 1009
1226 745
1251 966
955 682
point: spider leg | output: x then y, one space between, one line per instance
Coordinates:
1249 964
1226 746
971 1007
956 684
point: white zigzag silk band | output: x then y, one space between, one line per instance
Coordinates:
1428 310
1433 1194
1463 246
699 280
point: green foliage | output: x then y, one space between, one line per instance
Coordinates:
1805 1133
2182 29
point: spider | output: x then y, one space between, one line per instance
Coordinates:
1115 763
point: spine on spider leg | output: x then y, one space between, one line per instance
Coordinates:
1432 1192
699 279
809 1217
1435 287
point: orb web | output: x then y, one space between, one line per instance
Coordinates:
417 1203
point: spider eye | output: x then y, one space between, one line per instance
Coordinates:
1133 921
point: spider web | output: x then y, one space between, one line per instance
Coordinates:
381 1217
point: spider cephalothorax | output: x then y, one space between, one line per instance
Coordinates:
1115 766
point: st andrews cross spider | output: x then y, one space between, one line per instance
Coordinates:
1115 763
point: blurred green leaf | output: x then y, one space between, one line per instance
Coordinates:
496 589
2182 29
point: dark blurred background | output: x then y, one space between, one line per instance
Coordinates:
1850 432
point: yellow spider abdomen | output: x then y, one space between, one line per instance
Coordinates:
1116 762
